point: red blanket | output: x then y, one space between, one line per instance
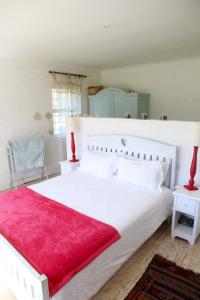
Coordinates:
56 240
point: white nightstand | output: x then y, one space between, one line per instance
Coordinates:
186 203
67 167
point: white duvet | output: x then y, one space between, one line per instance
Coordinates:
135 212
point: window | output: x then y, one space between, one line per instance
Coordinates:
66 101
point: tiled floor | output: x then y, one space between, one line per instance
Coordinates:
176 250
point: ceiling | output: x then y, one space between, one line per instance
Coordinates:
100 33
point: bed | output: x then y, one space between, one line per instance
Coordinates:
135 212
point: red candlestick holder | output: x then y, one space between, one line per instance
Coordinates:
190 186
73 148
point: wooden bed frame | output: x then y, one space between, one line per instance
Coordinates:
18 275
137 147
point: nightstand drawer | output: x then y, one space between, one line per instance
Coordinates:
65 170
185 205
67 167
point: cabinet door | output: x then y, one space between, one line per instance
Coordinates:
100 106
143 105
124 105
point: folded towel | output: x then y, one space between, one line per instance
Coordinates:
27 153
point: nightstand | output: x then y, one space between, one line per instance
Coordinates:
186 203
67 167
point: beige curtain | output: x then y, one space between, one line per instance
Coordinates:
66 96
68 90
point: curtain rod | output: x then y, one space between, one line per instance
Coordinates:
78 75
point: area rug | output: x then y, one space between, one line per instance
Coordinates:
165 280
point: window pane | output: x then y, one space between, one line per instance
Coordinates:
59 122
64 104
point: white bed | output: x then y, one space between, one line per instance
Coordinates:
135 212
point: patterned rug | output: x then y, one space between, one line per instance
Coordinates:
165 280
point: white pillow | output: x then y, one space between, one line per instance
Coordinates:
165 165
99 164
147 174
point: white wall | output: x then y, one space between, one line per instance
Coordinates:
182 134
174 86
25 88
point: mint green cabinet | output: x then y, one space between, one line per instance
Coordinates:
101 105
115 103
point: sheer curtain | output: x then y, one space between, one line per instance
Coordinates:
66 96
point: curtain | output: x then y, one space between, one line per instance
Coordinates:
66 96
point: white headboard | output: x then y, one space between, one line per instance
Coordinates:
136 147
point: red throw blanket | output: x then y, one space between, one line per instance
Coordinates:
56 240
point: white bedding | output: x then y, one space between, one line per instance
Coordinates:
135 212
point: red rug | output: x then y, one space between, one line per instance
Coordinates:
165 280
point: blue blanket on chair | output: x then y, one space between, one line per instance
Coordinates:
27 153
